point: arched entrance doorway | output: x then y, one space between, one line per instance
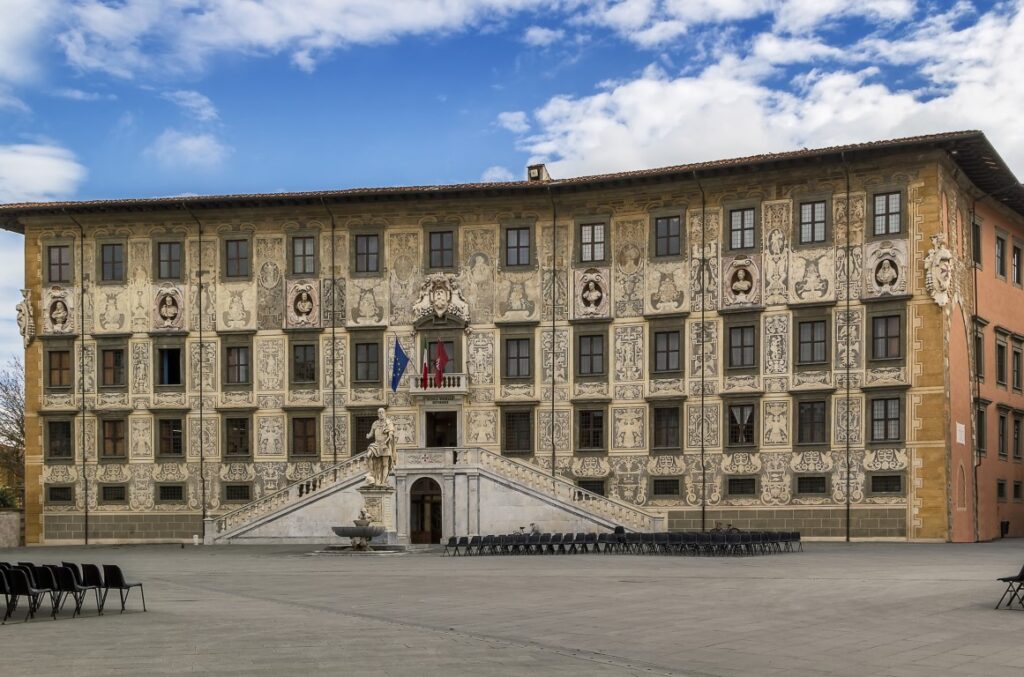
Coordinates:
425 511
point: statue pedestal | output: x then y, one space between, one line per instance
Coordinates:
379 503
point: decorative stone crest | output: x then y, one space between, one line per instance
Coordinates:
168 312
742 280
303 309
938 270
26 321
592 298
886 268
58 319
441 296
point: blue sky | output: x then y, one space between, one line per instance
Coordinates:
125 98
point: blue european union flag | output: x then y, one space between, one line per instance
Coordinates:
398 366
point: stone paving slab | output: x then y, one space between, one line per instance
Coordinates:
863 609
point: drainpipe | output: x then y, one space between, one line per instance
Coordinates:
81 364
334 344
199 296
703 305
849 284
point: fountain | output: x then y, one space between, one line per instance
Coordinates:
361 533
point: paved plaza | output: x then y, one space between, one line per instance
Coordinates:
836 609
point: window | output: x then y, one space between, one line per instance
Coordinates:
1016 437
238 365
304 436
361 428
812 222
516 432
237 493
979 354
304 255
593 486
168 256
60 494
592 242
169 366
666 351
368 253
666 427
591 361
885 419
236 258
741 347
1001 435
1000 256
886 484
517 246
1015 369
1001 490
1000 363
981 429
665 486
1016 491
236 437
742 486
304 363
885 337
811 484
741 424
887 213
442 249
812 422
591 429
667 231
59 440
517 358
741 228
813 344
113 493
172 437
368 362
1015 265
60 369
449 350
58 259
113 367
112 262
170 493
113 438
976 242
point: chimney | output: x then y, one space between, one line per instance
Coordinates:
537 173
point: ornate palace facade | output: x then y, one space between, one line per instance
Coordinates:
778 341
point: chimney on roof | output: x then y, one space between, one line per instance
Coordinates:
537 173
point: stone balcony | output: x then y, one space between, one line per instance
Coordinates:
451 384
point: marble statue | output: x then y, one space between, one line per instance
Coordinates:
382 452
938 268
26 322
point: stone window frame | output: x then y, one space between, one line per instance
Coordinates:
61 346
224 238
978 348
593 481
290 252
981 426
1002 337
579 330
453 335
167 501
667 212
517 409
101 498
814 314
800 199
518 332
444 227
101 439
881 394
176 415
804 398
1003 413
655 327
355 437
1002 240
667 403
303 339
235 501
362 231
1001 490
106 241
169 343
1018 490
1016 275
304 413
513 224
663 495
68 242
50 501
869 483
745 399
233 415
578 409
736 321
1017 366
578 222
886 189
103 345
1017 434
796 483
730 206
885 309
183 264
48 456
359 337
240 340
731 494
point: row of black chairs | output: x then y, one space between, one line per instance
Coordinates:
656 543
36 583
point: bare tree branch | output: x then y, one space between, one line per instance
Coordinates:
12 421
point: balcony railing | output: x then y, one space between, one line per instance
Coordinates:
451 384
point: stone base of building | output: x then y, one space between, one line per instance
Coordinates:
126 528
811 522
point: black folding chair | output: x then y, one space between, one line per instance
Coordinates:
462 543
451 545
590 541
20 585
533 544
6 591
1013 589
91 578
67 586
474 544
114 579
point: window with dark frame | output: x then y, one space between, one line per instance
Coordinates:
1016 437
362 425
979 354
368 253
368 362
171 493
885 419
59 439
886 484
60 369
1000 363
442 249
60 494
886 339
591 429
169 361
593 486
1017 491
741 424
592 242
236 437
1000 256
1015 369
667 236
666 351
812 343
981 429
741 228
812 222
517 358
811 422
666 428
887 214
517 430
113 493
238 371
304 436
168 257
663 486
113 367
58 259
113 438
112 262
237 492
976 242
591 355
1001 490
433 350
811 484
236 258
1001 435
1015 265
304 363
304 255
742 486
171 437
741 347
517 246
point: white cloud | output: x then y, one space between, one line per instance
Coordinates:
194 104
21 33
538 36
10 102
514 121
82 95
38 172
175 149
497 174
